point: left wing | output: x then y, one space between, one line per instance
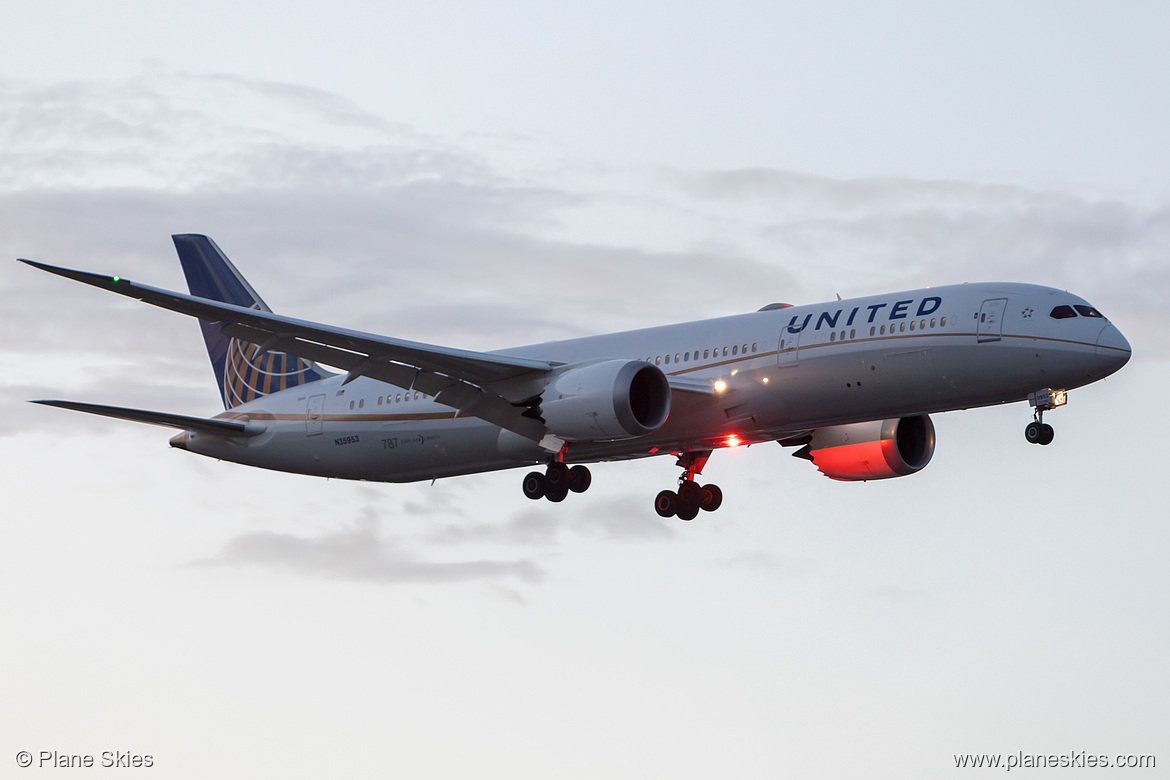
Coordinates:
477 384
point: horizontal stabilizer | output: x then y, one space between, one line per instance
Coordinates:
214 427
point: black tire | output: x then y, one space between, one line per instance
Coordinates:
579 479
712 498
557 475
688 511
1033 433
535 485
666 503
557 495
1046 434
689 493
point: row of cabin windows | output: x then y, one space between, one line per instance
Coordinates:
901 327
386 399
687 357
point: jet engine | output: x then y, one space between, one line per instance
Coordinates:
615 399
872 450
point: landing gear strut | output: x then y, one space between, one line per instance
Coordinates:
690 497
557 482
1038 431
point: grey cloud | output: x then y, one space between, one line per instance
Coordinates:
768 563
620 518
360 553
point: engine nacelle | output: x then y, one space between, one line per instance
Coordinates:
872 450
615 399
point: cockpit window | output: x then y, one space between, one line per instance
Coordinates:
1063 313
1089 311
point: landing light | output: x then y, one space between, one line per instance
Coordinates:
733 440
720 386
765 380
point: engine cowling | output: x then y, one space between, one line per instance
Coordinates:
614 399
872 450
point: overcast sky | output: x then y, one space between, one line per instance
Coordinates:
482 176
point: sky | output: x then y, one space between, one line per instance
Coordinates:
482 176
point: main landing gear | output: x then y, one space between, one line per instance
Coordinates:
1038 431
690 497
557 482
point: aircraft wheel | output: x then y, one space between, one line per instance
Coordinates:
688 511
1034 432
1046 434
689 493
557 475
712 498
579 479
557 495
666 503
535 485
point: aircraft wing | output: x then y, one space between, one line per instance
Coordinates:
212 426
456 378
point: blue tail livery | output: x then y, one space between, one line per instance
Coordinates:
243 373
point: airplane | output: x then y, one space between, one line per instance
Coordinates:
850 383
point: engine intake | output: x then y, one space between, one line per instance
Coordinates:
872 450
615 399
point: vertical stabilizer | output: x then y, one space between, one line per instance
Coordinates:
242 374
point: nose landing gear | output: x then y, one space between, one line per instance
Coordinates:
690 497
1038 431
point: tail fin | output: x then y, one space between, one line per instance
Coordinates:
242 373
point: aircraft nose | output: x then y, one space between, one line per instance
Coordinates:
1113 350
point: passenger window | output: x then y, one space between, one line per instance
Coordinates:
362 404
902 328
686 357
676 357
754 345
658 360
853 333
911 324
406 397
725 352
871 330
416 396
943 322
668 360
351 404
705 352
745 349
833 336
883 330
379 400
398 398
922 325
933 320
1089 311
735 350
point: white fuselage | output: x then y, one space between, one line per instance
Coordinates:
781 372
